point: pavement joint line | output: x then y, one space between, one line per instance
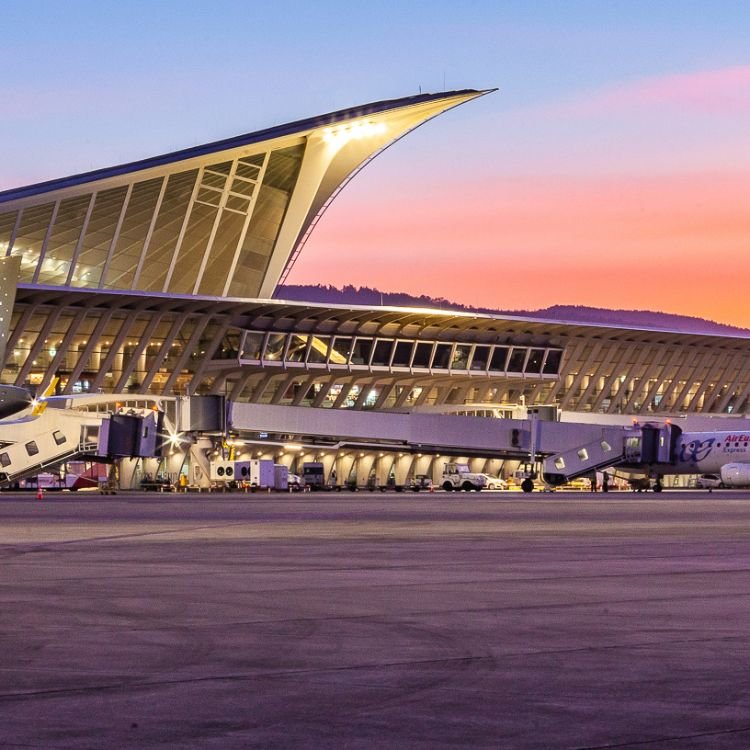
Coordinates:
662 740
496 658
248 677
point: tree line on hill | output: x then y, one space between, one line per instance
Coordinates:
370 297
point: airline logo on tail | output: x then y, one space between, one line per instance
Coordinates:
40 402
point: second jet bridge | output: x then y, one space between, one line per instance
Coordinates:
638 447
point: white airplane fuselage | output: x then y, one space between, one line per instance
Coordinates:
707 452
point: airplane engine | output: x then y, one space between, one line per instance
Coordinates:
735 475
13 400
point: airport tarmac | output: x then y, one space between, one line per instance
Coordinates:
375 620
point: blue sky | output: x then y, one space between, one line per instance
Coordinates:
589 91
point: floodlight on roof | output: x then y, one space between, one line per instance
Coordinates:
341 135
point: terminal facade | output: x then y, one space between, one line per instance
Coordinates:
156 280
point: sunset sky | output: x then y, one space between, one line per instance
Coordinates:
612 167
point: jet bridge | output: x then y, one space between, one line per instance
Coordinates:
45 435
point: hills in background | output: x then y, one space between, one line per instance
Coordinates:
351 295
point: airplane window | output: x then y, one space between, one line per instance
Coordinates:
31 448
4 459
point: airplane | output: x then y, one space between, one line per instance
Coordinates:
655 450
13 399
722 452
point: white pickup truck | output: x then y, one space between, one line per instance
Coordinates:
458 477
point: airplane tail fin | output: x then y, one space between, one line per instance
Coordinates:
41 401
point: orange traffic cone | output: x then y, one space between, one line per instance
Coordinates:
40 494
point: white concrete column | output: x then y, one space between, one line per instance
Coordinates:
199 468
344 466
129 473
403 467
173 464
329 462
365 466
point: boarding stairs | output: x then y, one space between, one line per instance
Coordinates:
642 447
608 449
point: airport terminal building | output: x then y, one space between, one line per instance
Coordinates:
157 279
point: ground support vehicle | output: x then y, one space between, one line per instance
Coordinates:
421 482
458 477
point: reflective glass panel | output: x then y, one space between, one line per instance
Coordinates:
99 234
192 249
534 364
442 356
63 240
7 222
167 229
253 345
135 225
361 351
402 355
275 346
382 355
422 354
297 348
479 360
30 238
460 359
268 212
499 357
552 363
517 358
222 253
318 350
342 349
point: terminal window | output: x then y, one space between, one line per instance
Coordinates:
479 360
382 354
517 359
362 351
442 356
422 355
499 357
402 355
